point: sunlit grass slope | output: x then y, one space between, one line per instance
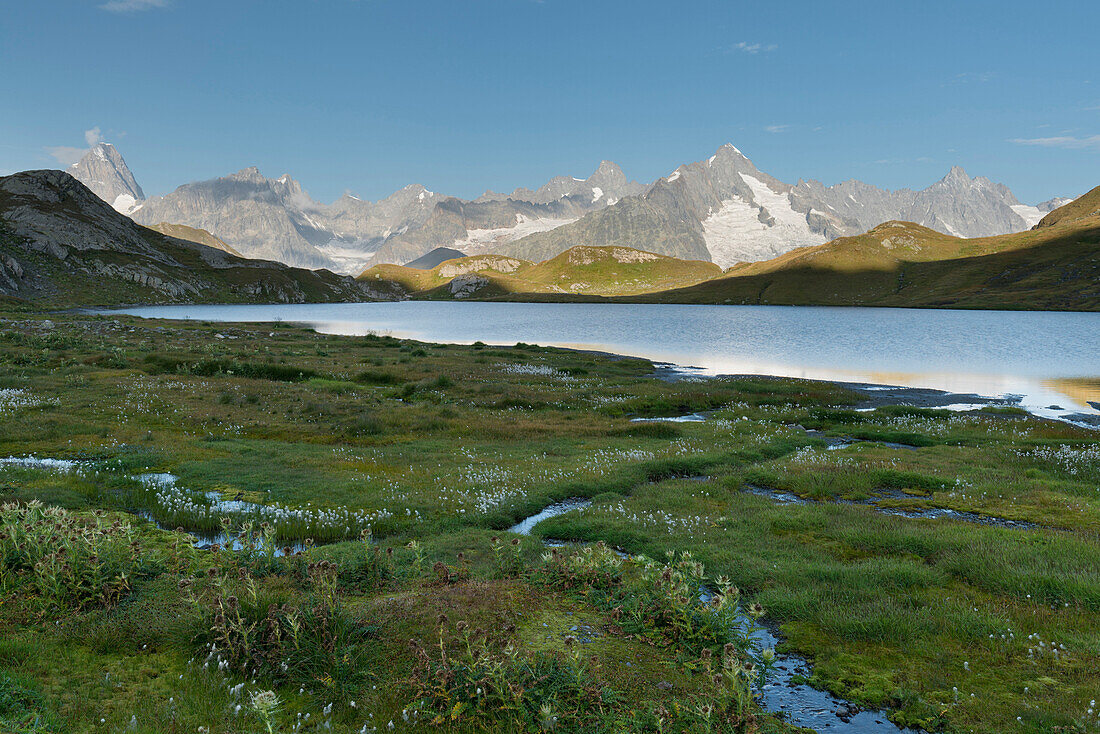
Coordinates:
580 271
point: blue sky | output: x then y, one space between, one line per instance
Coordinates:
463 95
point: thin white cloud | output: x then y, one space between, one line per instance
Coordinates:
981 77
66 155
1062 141
898 161
776 128
132 6
752 48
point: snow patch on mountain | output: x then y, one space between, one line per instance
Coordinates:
743 231
1030 214
346 259
484 240
124 203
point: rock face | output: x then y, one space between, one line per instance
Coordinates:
957 205
726 210
258 217
276 219
492 221
62 244
103 170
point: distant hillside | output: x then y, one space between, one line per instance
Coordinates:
1081 208
1055 266
435 257
194 234
580 271
62 245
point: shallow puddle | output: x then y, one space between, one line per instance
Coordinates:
63 466
930 513
689 418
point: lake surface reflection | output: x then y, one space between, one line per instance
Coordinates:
1045 359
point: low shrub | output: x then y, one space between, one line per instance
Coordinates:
377 377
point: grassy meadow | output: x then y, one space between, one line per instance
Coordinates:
369 483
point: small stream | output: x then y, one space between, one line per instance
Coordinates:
802 704
524 527
931 513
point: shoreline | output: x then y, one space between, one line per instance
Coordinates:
875 394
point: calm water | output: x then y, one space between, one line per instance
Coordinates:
1044 358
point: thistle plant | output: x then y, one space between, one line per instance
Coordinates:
266 705
71 560
591 567
418 556
309 638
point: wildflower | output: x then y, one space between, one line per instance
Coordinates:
265 704
548 720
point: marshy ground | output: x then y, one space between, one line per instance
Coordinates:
402 462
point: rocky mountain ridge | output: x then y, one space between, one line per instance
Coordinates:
60 243
723 209
103 170
726 210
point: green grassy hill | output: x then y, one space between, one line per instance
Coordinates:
491 274
580 271
905 265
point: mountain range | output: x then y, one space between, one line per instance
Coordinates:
722 210
61 245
